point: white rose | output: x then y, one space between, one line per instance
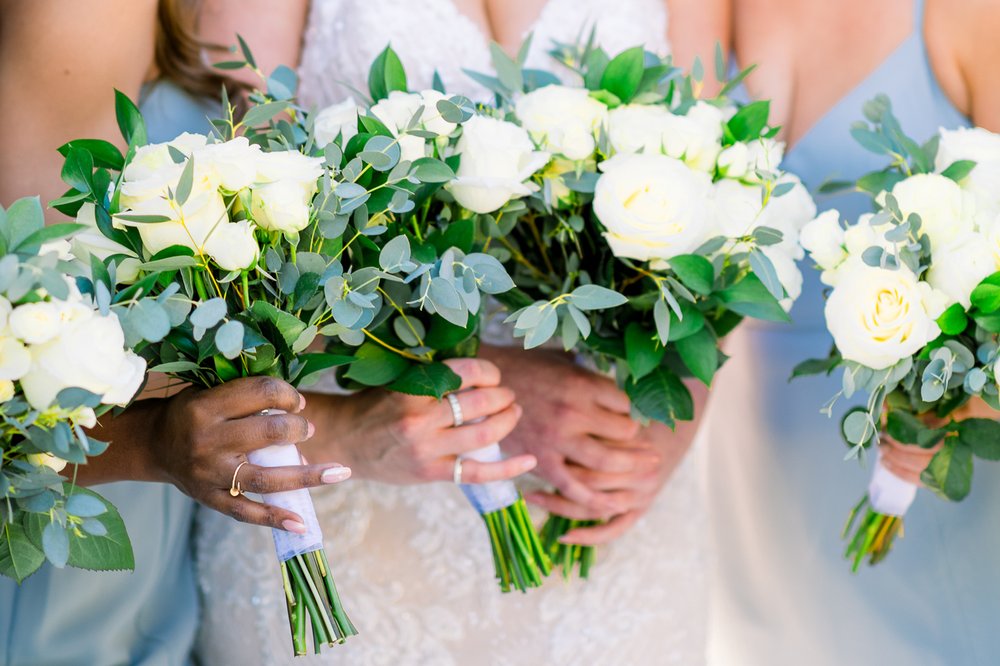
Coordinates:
789 212
155 157
15 359
282 206
939 203
634 128
734 161
287 182
89 353
497 158
60 247
696 137
35 323
878 316
91 242
85 417
397 110
6 390
47 460
231 165
738 212
563 120
862 235
788 273
764 155
232 245
966 143
653 206
957 268
188 226
339 119
823 239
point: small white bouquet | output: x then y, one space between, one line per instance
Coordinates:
914 312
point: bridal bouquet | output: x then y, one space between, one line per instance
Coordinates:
232 237
64 362
659 223
914 312
411 280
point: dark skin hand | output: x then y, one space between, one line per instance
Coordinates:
196 439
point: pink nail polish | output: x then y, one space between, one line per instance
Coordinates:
335 474
310 430
293 526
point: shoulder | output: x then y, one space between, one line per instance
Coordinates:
964 51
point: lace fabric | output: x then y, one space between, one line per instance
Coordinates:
412 563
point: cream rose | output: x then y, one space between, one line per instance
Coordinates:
47 460
286 184
652 206
823 239
231 165
396 111
695 138
91 242
88 353
339 119
35 323
14 358
788 273
939 203
232 245
563 120
957 268
6 390
188 225
966 143
635 128
497 159
878 317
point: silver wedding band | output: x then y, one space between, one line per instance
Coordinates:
456 471
456 414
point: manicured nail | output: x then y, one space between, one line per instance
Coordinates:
529 464
310 430
293 526
302 402
335 474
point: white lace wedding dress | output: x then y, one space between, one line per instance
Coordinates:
413 563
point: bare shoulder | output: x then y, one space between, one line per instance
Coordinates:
964 50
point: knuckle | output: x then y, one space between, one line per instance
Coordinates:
424 472
408 426
237 511
257 481
275 428
272 390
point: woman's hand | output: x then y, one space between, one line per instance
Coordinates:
405 439
574 420
634 492
197 439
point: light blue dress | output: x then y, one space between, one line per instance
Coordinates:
73 617
780 492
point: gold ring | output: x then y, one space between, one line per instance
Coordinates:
234 489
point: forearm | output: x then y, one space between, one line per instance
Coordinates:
132 436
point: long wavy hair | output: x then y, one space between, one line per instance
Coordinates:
179 53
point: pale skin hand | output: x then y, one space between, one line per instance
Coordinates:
603 464
396 438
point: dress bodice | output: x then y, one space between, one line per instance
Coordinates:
344 36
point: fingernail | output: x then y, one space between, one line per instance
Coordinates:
335 474
302 402
311 430
293 526
529 463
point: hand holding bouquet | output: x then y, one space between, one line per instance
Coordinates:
914 312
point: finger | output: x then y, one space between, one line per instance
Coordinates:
472 436
255 432
614 399
251 395
555 471
475 371
263 480
609 425
474 471
562 506
601 534
605 481
592 453
903 473
475 404
246 510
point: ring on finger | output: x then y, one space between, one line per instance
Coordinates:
456 471
456 410
235 489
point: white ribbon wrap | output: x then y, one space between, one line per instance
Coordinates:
492 496
288 544
888 493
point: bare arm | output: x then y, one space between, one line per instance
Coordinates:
272 30
59 64
694 27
